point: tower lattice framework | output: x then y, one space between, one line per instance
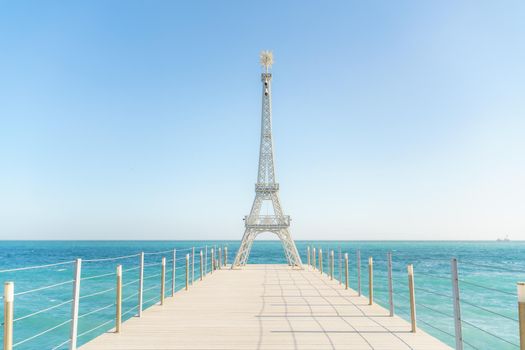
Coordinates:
266 188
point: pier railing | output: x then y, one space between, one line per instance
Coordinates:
460 313
134 283
457 305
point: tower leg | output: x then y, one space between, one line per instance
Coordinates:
244 250
290 250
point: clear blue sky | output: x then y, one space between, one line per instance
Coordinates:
140 119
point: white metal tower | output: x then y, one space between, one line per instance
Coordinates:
266 188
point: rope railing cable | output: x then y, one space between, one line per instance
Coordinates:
96 293
406 297
88 295
183 249
436 328
43 288
433 276
189 249
152 276
42 310
472 346
37 267
380 290
465 302
494 267
61 344
41 333
130 296
153 264
432 292
110 259
488 310
434 310
133 308
96 310
404 309
400 310
97 276
94 260
485 287
489 333
131 269
130 282
159 252
95 328
377 273
150 288
147 301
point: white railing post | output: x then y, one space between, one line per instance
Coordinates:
412 293
220 258
118 302
457 304
321 260
340 266
314 262
346 271
9 300
370 280
212 261
332 264
390 284
187 270
206 260
201 258
358 254
225 255
215 257
521 313
173 274
141 282
162 280
192 265
74 305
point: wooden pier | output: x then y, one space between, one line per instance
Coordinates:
266 307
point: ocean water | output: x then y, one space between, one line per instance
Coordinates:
488 273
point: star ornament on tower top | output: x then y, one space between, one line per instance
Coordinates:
266 59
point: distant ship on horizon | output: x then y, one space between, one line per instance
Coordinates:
506 239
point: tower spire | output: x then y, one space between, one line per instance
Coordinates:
266 59
266 188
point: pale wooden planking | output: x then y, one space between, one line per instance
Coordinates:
266 307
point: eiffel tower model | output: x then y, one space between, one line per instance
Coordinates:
266 188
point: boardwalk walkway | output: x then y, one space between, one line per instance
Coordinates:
266 307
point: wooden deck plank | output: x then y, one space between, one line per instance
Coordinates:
266 307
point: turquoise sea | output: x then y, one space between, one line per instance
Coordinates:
488 273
